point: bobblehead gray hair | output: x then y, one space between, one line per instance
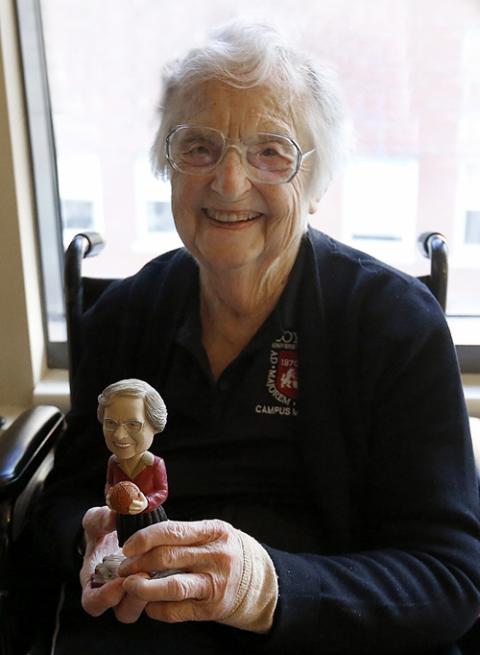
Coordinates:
248 55
155 410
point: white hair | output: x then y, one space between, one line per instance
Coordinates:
155 410
247 55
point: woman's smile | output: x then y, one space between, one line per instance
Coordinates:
122 444
231 218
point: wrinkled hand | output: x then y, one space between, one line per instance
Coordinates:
210 554
101 540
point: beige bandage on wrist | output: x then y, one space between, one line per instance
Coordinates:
257 594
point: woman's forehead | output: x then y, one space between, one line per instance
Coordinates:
216 104
125 403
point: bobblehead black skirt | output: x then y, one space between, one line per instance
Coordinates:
128 524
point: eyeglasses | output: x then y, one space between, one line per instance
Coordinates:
267 158
132 426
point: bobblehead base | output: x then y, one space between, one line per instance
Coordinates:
107 570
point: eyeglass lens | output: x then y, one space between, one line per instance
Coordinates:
130 426
197 150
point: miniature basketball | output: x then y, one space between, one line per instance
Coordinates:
121 496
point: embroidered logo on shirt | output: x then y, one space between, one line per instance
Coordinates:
282 376
286 379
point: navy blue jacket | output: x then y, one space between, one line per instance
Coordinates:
385 447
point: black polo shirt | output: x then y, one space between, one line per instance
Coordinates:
231 446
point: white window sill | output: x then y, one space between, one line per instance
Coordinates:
53 389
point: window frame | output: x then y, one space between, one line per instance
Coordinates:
44 170
48 204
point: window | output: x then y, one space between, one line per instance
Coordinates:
472 227
373 217
159 216
77 215
469 212
80 190
154 227
411 77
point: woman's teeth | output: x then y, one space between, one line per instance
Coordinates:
231 217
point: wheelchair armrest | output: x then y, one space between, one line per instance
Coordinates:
24 445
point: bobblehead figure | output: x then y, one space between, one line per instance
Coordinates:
131 413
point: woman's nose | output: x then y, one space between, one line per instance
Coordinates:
230 177
121 430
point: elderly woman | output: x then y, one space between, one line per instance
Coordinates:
321 475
